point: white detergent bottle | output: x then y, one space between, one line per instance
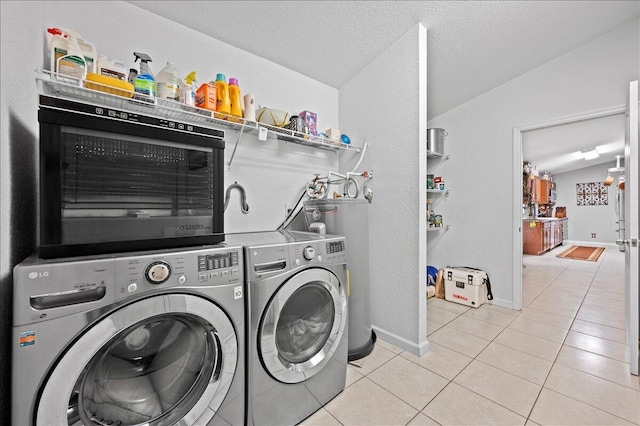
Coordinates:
115 69
73 62
168 83
60 41
88 49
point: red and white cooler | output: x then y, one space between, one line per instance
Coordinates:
467 286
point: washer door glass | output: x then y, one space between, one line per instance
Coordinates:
154 370
303 325
159 361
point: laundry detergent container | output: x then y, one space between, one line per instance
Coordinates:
350 217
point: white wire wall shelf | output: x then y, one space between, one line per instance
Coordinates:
439 228
446 192
73 89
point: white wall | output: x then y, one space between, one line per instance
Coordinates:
273 173
593 77
585 220
385 104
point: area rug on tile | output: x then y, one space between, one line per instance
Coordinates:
582 253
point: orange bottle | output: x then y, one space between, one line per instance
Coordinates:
206 96
223 103
235 99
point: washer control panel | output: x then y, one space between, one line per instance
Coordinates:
158 272
309 252
188 268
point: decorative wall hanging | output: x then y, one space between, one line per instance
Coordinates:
592 194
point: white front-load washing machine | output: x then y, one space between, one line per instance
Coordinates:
153 338
296 293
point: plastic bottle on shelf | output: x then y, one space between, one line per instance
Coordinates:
133 73
234 98
115 69
66 56
206 96
88 49
250 107
188 89
63 42
168 82
223 104
144 83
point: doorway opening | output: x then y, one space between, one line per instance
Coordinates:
518 137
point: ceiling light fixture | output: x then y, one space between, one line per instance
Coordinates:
590 154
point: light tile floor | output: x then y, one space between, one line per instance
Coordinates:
561 360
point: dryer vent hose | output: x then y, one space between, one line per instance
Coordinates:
243 197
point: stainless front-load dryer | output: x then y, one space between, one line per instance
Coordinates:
296 289
145 338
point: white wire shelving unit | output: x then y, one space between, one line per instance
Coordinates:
73 89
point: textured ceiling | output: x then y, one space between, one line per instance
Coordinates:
557 149
473 46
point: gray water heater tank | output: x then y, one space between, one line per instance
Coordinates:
350 217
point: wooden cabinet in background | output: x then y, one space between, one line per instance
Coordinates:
543 190
547 236
556 231
540 191
540 236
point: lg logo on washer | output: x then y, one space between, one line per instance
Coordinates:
34 275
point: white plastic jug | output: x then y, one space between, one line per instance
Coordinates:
115 69
168 83
62 41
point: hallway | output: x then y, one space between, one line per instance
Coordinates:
561 360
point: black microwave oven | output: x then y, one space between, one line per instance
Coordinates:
116 181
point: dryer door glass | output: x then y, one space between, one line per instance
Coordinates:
305 323
302 326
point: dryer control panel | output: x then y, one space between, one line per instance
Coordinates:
320 252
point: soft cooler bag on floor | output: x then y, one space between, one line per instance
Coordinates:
467 286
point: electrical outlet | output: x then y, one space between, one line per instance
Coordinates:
593 235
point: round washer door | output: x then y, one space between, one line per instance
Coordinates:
157 361
303 325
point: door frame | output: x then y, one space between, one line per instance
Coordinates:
631 228
516 267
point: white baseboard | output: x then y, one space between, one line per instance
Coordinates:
401 342
589 243
505 303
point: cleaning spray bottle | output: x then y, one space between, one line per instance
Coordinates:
188 89
144 82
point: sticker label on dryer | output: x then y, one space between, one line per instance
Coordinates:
237 293
27 338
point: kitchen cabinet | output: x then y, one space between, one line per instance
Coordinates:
542 187
537 190
547 240
556 231
539 236
565 230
